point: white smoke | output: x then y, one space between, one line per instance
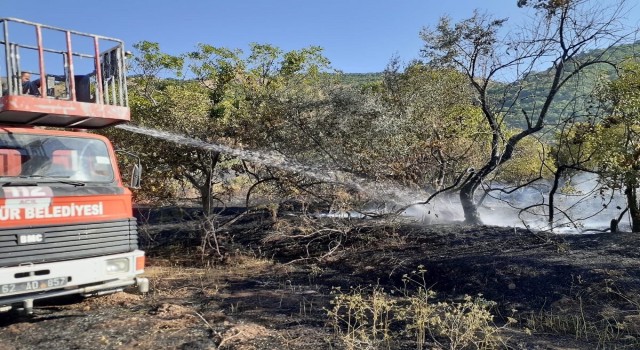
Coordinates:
587 208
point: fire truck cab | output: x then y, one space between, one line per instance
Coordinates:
66 219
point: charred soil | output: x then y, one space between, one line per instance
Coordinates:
259 282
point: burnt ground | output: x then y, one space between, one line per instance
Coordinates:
272 282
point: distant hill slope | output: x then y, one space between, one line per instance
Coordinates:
359 79
572 97
535 87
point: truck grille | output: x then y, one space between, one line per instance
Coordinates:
65 242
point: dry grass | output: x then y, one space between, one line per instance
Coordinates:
170 280
242 333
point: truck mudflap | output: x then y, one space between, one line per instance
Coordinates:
90 276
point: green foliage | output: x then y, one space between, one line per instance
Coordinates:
427 130
616 138
527 95
418 126
549 6
529 161
474 37
619 140
560 33
575 146
361 79
152 61
231 100
423 125
181 107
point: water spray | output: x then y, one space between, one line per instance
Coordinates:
401 197
382 190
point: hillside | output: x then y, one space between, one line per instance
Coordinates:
533 89
360 79
572 98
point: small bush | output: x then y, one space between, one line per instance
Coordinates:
371 318
362 318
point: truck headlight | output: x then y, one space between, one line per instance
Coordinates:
118 265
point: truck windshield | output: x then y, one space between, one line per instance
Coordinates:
55 157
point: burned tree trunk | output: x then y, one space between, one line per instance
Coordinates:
471 214
634 211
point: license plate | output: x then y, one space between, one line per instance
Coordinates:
33 285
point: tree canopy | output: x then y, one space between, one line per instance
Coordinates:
447 122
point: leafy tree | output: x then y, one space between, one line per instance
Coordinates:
152 101
436 129
274 103
228 99
474 47
617 138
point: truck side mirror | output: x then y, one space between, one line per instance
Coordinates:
135 171
136 176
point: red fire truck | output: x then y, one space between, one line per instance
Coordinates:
66 222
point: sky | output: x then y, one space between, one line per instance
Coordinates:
357 36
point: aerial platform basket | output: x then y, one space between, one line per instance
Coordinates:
57 77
